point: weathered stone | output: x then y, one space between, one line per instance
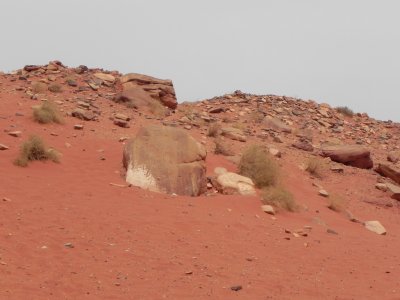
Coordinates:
83 114
323 193
231 183
233 134
3 147
165 159
275 124
122 117
158 89
375 226
121 123
15 133
394 189
353 155
268 209
393 157
30 68
381 186
275 152
78 126
216 110
388 171
304 145
105 77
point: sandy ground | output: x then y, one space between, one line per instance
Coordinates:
67 233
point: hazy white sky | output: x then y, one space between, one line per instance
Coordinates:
342 52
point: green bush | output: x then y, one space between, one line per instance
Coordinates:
260 166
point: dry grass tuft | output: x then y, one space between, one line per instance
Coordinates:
279 197
35 149
260 166
315 166
158 109
213 130
337 203
222 148
47 113
55 88
39 87
344 110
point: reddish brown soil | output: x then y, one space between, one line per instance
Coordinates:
133 244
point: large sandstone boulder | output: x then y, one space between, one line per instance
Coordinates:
352 155
388 171
158 89
167 160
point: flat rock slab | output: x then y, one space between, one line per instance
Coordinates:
375 226
3 147
352 155
233 134
276 125
388 171
15 133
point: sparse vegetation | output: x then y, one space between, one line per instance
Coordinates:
344 110
222 148
35 149
337 203
213 130
55 88
279 197
47 113
39 87
315 166
158 109
259 165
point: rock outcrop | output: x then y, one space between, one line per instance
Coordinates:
352 155
165 159
162 90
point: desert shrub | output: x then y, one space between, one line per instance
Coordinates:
47 113
344 110
55 88
222 148
35 149
213 130
315 166
279 197
260 166
39 87
337 203
157 109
